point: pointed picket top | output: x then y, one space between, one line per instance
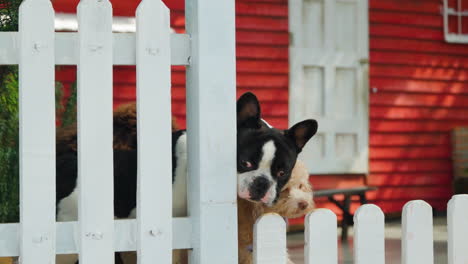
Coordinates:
46 6
417 233
321 244
457 215
369 236
96 12
269 240
153 6
37 131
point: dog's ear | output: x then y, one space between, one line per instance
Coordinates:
248 111
301 132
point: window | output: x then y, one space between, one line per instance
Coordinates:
456 21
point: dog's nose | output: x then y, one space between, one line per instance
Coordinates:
259 188
303 205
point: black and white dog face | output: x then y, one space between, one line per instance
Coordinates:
265 155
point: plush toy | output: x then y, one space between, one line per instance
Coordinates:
295 200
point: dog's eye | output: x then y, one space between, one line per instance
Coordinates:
246 164
301 186
280 173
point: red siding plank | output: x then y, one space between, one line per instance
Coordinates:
421 100
382 153
263 66
418 59
263 81
261 52
262 9
419 46
262 38
423 73
391 112
413 126
424 6
410 193
409 19
419 86
408 139
336 181
273 110
261 23
408 179
432 165
280 123
403 31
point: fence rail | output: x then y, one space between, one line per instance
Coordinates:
66 48
321 241
125 236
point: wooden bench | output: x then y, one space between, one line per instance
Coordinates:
345 204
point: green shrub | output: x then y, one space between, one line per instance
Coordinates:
9 180
9 122
9 139
9 15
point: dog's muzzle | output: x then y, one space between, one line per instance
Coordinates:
259 188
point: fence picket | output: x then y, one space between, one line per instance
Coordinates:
269 246
369 237
417 239
154 206
457 214
37 131
321 244
95 159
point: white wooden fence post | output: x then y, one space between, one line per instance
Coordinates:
154 204
369 237
417 240
269 245
457 215
95 158
321 243
37 132
211 126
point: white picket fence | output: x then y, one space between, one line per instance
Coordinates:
321 245
208 51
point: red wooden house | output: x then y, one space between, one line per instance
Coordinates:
386 85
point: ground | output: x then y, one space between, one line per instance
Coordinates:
392 244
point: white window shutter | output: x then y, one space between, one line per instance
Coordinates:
329 54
